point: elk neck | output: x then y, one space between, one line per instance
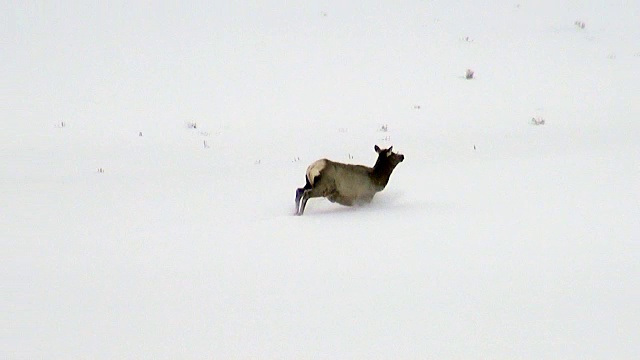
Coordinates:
381 172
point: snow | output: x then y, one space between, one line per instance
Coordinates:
495 238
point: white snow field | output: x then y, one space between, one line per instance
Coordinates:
495 238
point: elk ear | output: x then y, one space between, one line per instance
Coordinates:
389 149
376 148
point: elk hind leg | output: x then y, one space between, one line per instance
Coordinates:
308 194
299 193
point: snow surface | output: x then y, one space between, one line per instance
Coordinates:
495 238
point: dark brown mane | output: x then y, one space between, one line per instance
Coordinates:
382 170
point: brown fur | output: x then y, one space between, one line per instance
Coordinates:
347 184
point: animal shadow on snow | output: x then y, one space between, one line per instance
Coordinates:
390 202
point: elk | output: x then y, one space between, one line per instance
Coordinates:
347 184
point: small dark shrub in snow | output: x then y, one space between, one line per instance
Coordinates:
580 24
384 128
192 125
100 170
537 121
469 74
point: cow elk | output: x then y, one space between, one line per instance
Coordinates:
347 184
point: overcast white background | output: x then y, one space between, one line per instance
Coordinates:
494 239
